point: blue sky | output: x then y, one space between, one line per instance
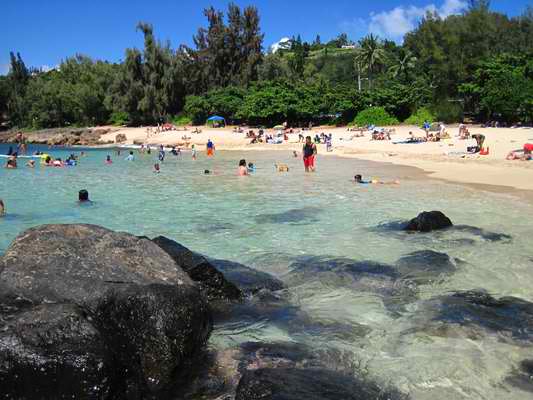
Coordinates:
45 32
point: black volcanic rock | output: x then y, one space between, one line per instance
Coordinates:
200 270
429 221
86 312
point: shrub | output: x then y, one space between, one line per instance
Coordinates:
420 116
119 118
181 120
374 116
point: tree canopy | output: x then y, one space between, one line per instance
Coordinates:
476 64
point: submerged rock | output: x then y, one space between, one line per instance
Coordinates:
200 270
308 384
522 377
294 216
484 234
249 280
97 297
426 266
477 312
429 221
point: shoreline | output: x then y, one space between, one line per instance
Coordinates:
446 160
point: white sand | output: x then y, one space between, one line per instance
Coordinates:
437 158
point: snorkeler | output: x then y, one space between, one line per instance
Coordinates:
359 179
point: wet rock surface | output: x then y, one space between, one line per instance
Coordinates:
109 315
52 349
200 270
429 221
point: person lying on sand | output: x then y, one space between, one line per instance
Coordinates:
524 154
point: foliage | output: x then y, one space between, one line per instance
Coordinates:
181 120
119 118
420 116
374 116
478 63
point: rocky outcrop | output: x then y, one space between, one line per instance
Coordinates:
86 312
429 221
60 136
200 270
121 138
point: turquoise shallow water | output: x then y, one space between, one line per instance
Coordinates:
271 220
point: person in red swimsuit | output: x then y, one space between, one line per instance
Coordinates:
309 152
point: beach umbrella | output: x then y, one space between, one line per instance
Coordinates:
215 118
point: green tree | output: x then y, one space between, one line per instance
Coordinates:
370 55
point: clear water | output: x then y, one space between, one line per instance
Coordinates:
270 220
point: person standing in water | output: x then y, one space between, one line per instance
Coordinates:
309 153
108 160
193 152
242 171
210 148
2 208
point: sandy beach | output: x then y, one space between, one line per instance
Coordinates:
441 160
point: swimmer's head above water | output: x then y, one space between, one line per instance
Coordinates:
83 196
207 172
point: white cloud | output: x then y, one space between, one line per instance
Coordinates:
394 24
282 43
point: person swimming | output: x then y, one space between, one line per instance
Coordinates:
11 162
242 171
108 160
359 180
130 157
157 168
83 196
207 172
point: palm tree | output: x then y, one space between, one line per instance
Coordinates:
403 64
370 54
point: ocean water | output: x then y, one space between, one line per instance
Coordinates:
333 243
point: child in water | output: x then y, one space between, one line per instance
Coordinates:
108 160
251 168
242 171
